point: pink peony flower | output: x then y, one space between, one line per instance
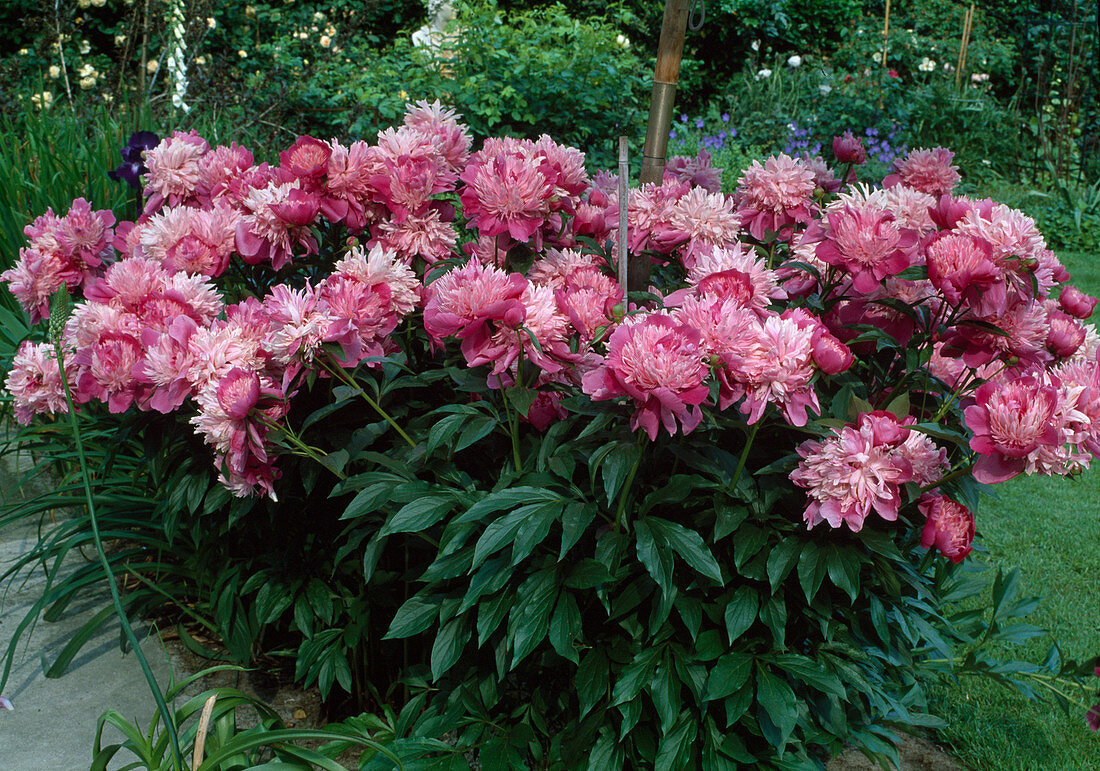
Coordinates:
848 148
174 171
409 169
703 220
218 168
962 268
1092 717
855 471
35 382
948 526
1076 303
929 171
169 359
545 409
274 223
776 195
734 272
563 168
505 194
776 367
423 235
299 324
440 124
191 240
467 302
1065 335
306 160
649 216
657 363
696 171
1009 421
85 235
867 243
347 195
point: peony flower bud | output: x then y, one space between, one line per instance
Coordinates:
848 148
1076 303
830 355
949 527
1065 336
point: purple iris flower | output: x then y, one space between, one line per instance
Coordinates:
133 163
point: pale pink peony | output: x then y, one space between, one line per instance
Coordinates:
299 324
191 240
423 235
110 370
84 235
704 221
948 526
563 168
929 171
776 195
543 321
912 208
776 367
649 216
442 127
1021 343
737 273
381 266
725 325
853 472
274 223
556 266
467 302
34 382
1018 247
409 169
657 363
218 168
232 418
169 359
174 170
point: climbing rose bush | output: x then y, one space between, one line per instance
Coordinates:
686 520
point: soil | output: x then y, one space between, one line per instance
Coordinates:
917 754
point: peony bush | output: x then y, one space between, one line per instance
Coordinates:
721 521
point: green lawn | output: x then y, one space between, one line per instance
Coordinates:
1050 529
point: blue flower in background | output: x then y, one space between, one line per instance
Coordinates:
133 161
683 119
672 134
699 123
725 117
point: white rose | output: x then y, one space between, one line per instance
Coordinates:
794 62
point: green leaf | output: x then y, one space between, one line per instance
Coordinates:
750 539
368 500
574 521
811 570
741 612
674 750
657 558
727 675
591 679
414 616
844 570
502 531
773 612
475 430
689 545
530 618
418 515
448 646
616 467
806 669
521 399
506 499
778 702
782 559
533 531
565 626
636 675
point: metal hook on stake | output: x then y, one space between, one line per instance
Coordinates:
701 6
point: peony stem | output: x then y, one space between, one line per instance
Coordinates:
339 373
629 483
305 450
745 453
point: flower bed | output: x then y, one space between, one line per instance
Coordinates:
690 527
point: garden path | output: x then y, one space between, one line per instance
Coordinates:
54 722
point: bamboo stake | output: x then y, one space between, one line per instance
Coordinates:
886 33
620 245
666 74
964 43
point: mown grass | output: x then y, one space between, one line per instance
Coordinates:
1050 529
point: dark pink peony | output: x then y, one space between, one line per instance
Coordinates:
1009 421
948 526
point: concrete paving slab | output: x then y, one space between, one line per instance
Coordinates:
54 721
